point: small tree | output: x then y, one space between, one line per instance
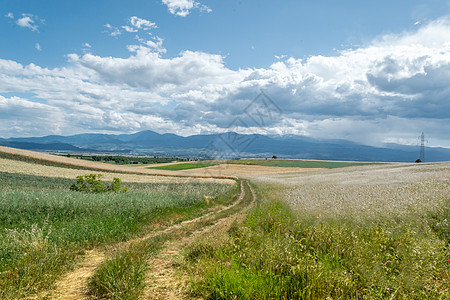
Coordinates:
91 184
274 157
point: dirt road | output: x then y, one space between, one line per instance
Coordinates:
162 281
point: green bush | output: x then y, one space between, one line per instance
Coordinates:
91 184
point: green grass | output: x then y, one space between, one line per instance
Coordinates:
299 163
278 253
123 275
178 167
44 226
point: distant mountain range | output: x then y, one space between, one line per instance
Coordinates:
224 146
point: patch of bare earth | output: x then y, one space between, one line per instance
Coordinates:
73 285
164 279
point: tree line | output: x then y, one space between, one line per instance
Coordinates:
125 160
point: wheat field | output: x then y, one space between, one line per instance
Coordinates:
366 192
366 232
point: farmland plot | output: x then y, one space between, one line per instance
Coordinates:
367 232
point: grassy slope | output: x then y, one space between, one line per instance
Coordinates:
72 163
397 246
44 226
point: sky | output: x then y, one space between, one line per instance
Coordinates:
372 72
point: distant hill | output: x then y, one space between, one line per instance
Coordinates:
227 145
40 146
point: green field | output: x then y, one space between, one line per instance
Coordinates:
184 166
44 227
288 163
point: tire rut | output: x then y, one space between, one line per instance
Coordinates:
163 280
73 285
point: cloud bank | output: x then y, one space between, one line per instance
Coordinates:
388 91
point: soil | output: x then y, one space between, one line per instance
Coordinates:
72 286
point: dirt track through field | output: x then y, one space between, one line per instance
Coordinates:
163 280
162 283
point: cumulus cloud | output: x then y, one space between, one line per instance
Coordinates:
19 116
183 8
143 24
135 25
387 91
147 69
38 47
28 21
10 15
154 44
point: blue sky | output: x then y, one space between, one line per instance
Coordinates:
372 72
248 33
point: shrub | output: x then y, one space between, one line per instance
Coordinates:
91 184
116 186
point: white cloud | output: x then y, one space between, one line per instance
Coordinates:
86 47
183 8
29 21
392 89
23 117
142 23
38 47
135 25
146 69
10 15
130 28
113 30
154 44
